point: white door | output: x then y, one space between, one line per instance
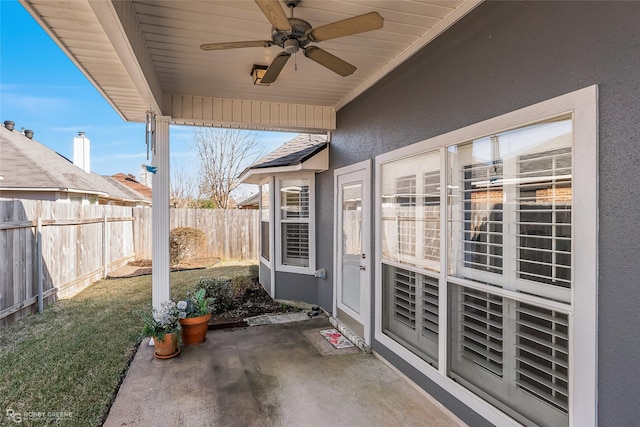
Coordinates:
352 236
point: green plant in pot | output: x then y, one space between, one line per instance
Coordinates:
163 325
194 313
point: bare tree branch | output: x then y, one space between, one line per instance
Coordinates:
223 154
184 188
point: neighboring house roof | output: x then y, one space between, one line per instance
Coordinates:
294 155
251 202
123 189
131 182
27 165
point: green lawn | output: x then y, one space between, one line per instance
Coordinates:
72 357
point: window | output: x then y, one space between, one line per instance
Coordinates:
410 208
510 227
410 205
510 213
296 242
411 310
265 222
488 309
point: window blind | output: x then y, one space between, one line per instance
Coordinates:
406 202
482 196
544 217
431 216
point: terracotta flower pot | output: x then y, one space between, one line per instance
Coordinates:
194 329
167 347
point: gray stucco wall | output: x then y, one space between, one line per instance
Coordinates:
501 57
265 278
296 287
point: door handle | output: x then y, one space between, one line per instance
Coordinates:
362 267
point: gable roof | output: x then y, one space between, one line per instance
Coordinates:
305 152
294 152
27 165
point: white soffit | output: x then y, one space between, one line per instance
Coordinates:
145 55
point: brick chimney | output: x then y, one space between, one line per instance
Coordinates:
81 152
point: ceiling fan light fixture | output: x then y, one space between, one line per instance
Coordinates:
257 73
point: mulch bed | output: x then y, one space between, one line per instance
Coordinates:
143 267
256 301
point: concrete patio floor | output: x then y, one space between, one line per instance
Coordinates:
283 374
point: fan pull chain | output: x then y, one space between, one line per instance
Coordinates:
295 55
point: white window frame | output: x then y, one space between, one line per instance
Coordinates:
263 260
311 269
582 311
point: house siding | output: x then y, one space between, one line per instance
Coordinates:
501 57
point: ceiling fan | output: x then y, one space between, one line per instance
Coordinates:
293 34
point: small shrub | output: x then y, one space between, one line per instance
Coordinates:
186 243
218 289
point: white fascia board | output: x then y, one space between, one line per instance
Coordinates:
256 176
72 191
54 189
43 24
118 19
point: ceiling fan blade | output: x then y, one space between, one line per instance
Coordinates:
275 14
234 45
330 61
276 66
358 24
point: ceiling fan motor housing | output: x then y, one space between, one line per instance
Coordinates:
299 27
292 3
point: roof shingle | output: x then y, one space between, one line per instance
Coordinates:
27 164
294 152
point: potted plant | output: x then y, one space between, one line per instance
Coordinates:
194 314
163 326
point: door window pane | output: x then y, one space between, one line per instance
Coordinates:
351 245
265 218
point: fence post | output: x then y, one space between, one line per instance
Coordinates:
39 263
105 247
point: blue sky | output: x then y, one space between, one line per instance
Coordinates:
42 90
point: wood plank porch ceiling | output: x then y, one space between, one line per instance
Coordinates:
145 55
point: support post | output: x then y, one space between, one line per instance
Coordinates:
161 288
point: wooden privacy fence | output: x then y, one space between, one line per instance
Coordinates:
231 234
50 250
